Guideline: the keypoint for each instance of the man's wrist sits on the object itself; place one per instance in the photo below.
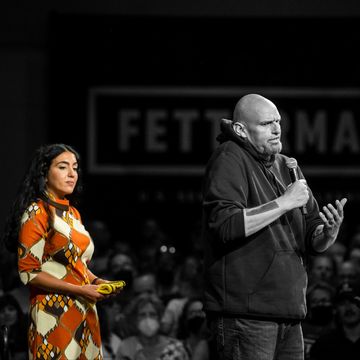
(322, 240)
(318, 237)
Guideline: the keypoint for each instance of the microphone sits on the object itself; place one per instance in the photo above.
(291, 164)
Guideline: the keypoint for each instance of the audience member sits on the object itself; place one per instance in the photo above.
(348, 273)
(122, 266)
(110, 340)
(121, 326)
(147, 343)
(170, 318)
(320, 315)
(166, 269)
(189, 285)
(322, 268)
(145, 283)
(190, 267)
(193, 331)
(344, 341)
(13, 318)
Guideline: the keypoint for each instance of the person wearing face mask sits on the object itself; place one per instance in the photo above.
(320, 316)
(193, 331)
(147, 343)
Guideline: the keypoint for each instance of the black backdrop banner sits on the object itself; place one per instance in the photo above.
(141, 99)
(172, 130)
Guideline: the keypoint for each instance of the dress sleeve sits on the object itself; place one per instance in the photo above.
(32, 236)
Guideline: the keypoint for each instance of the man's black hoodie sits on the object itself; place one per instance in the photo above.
(261, 275)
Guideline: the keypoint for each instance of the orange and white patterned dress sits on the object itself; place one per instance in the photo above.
(61, 326)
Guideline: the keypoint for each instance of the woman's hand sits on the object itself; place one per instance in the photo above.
(90, 293)
(111, 291)
(111, 288)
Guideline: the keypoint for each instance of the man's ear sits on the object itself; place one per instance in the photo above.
(239, 129)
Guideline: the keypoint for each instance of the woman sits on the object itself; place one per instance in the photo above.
(144, 314)
(193, 330)
(53, 251)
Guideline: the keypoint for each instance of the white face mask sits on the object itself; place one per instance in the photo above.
(148, 326)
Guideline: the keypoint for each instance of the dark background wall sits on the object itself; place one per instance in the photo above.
(67, 66)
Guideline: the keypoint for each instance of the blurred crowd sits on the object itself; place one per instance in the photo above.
(163, 297)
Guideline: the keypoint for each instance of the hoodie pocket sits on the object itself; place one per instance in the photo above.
(281, 290)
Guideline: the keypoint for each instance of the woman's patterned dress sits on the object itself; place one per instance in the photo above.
(61, 326)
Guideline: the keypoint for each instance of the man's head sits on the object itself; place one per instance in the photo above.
(323, 268)
(320, 303)
(121, 266)
(145, 283)
(258, 120)
(348, 273)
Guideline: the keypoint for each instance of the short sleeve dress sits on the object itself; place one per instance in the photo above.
(61, 326)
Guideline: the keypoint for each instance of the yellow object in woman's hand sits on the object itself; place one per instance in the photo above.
(111, 287)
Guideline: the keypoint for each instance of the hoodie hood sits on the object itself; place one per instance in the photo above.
(228, 134)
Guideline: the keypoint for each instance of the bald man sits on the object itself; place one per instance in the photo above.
(257, 238)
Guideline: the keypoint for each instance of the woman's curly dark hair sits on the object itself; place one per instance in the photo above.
(33, 186)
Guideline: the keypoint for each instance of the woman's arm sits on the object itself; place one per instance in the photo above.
(50, 283)
(32, 241)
